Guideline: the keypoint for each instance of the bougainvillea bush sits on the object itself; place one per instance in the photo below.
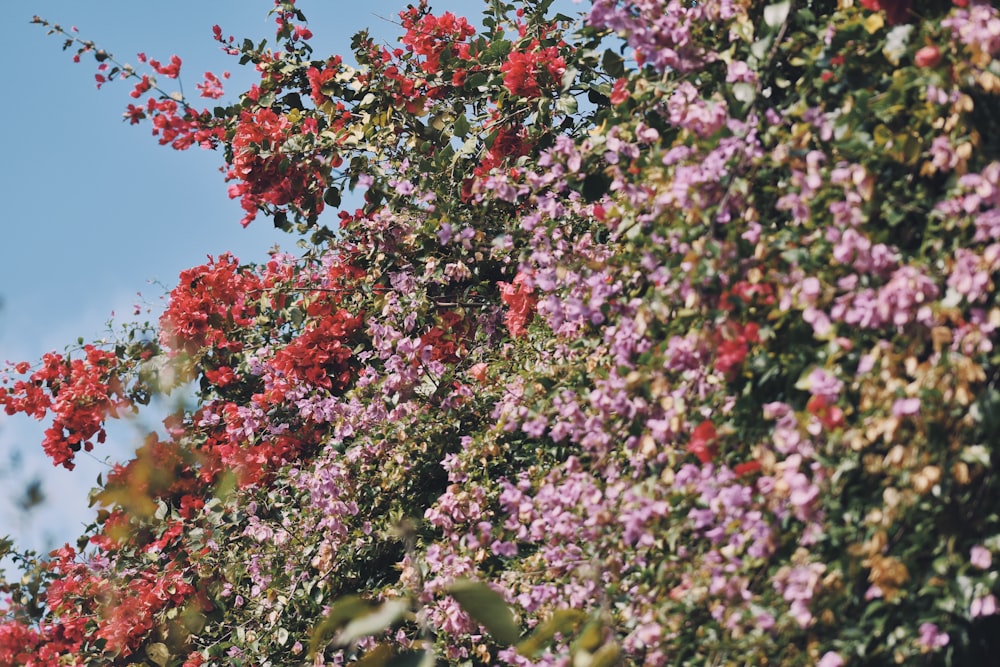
(659, 335)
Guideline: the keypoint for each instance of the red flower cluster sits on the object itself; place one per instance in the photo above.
(208, 304)
(270, 176)
(171, 70)
(18, 642)
(521, 303)
(320, 77)
(81, 393)
(319, 356)
(212, 86)
(830, 416)
(143, 87)
(131, 612)
(447, 340)
(429, 36)
(732, 347)
(183, 131)
(87, 607)
(761, 294)
(524, 70)
(233, 446)
(180, 130)
(510, 143)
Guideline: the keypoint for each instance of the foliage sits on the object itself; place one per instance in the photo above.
(666, 336)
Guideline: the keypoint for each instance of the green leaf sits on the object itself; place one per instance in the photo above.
(569, 77)
(595, 186)
(477, 80)
(377, 657)
(341, 611)
(461, 126)
(590, 638)
(412, 659)
(486, 606)
(775, 15)
(606, 656)
(281, 221)
(614, 64)
(760, 48)
(497, 51)
(744, 92)
(567, 104)
(332, 197)
(382, 618)
(562, 621)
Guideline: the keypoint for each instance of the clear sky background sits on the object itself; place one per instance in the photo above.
(95, 212)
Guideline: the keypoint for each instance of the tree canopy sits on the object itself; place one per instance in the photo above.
(659, 335)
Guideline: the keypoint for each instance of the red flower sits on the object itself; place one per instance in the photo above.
(212, 86)
(702, 443)
(270, 177)
(929, 56)
(320, 356)
(746, 468)
(81, 394)
(830, 416)
(429, 36)
(142, 87)
(194, 660)
(320, 78)
(896, 11)
(446, 342)
(221, 376)
(732, 347)
(619, 91)
(208, 305)
(171, 70)
(521, 304)
(523, 69)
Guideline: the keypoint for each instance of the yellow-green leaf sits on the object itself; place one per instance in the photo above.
(488, 609)
(562, 621)
(373, 622)
(158, 653)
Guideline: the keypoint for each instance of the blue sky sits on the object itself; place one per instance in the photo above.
(96, 212)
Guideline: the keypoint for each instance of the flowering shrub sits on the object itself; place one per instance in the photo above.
(661, 336)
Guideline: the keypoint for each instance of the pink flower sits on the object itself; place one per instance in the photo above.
(906, 406)
(981, 557)
(830, 659)
(983, 606)
(931, 636)
(479, 371)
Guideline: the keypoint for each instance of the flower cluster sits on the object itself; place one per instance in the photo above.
(81, 394)
(679, 352)
(272, 169)
(527, 72)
